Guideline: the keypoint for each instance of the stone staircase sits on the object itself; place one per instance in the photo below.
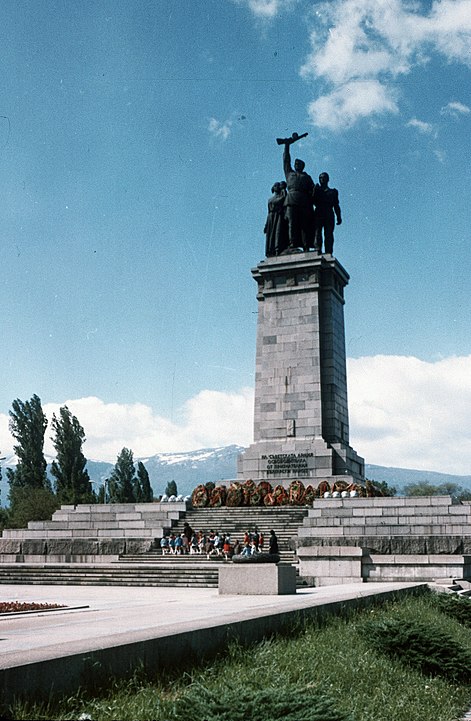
(116, 574)
(285, 521)
(70, 548)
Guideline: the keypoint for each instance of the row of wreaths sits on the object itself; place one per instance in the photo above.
(250, 493)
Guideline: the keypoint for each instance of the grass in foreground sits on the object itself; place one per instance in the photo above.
(338, 670)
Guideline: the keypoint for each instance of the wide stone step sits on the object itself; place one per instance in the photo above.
(157, 576)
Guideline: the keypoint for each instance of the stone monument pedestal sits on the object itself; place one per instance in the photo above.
(257, 579)
(301, 429)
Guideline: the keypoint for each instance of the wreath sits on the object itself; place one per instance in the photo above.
(270, 499)
(297, 493)
(309, 495)
(256, 498)
(248, 487)
(217, 497)
(322, 488)
(340, 486)
(200, 496)
(235, 495)
(264, 488)
(281, 496)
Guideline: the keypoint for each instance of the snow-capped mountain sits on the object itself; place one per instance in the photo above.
(220, 464)
(186, 469)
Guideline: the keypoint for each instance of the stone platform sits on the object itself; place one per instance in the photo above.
(89, 533)
(385, 539)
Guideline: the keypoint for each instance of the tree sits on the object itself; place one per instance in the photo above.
(30, 504)
(425, 488)
(31, 497)
(121, 483)
(72, 479)
(143, 490)
(171, 489)
(28, 425)
(385, 488)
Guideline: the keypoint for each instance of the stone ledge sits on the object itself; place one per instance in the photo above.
(264, 579)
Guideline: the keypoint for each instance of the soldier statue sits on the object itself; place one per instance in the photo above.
(326, 201)
(298, 203)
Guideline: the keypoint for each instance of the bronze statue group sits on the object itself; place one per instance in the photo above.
(301, 214)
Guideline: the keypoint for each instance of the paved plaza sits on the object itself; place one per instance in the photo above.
(118, 626)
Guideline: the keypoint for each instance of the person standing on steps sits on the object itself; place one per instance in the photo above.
(273, 543)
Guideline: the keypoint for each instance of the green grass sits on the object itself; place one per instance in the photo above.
(330, 671)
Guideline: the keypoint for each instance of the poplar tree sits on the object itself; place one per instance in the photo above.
(28, 425)
(69, 469)
(143, 492)
(122, 479)
(31, 497)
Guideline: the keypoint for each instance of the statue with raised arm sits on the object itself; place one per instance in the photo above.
(326, 201)
(298, 203)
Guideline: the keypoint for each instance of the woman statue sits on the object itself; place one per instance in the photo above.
(276, 227)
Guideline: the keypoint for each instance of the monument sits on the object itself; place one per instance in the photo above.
(301, 429)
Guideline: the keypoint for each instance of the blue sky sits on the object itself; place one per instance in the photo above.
(137, 152)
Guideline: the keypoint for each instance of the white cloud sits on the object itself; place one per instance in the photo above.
(421, 126)
(354, 100)
(375, 42)
(209, 419)
(409, 413)
(267, 9)
(455, 109)
(404, 412)
(218, 129)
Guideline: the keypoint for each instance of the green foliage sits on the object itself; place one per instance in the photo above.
(28, 425)
(121, 483)
(101, 494)
(429, 650)
(4, 515)
(329, 655)
(30, 504)
(72, 479)
(385, 488)
(457, 607)
(171, 489)
(143, 492)
(232, 703)
(425, 488)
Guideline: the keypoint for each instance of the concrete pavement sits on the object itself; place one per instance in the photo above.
(58, 651)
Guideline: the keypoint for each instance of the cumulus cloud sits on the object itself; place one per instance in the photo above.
(354, 100)
(267, 9)
(209, 419)
(404, 412)
(374, 42)
(410, 413)
(218, 129)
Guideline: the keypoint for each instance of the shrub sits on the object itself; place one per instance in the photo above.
(457, 607)
(425, 648)
(287, 703)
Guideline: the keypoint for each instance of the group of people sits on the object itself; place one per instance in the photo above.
(213, 543)
(301, 214)
(254, 543)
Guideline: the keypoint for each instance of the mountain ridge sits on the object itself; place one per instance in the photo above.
(189, 468)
